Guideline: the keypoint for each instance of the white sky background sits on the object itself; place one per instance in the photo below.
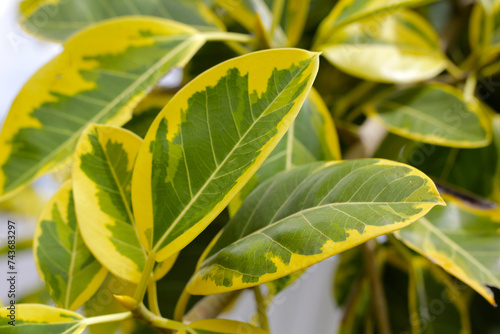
(306, 307)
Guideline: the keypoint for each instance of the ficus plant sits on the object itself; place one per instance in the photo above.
(300, 129)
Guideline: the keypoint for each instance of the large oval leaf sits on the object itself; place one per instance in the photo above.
(210, 139)
(98, 78)
(463, 241)
(65, 264)
(400, 48)
(57, 20)
(102, 176)
(312, 137)
(308, 214)
(435, 114)
(36, 318)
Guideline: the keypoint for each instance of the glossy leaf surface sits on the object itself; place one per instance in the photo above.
(58, 20)
(210, 139)
(98, 78)
(102, 177)
(36, 318)
(305, 215)
(435, 114)
(312, 137)
(64, 262)
(463, 241)
(402, 49)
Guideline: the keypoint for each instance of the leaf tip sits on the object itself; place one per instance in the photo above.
(127, 302)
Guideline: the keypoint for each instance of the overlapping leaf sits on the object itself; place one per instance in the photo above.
(305, 215)
(210, 139)
(102, 176)
(71, 273)
(435, 114)
(98, 78)
(463, 241)
(221, 326)
(36, 318)
(312, 137)
(402, 48)
(57, 20)
(435, 302)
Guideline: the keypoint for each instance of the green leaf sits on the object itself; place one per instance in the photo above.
(400, 48)
(57, 20)
(434, 114)
(294, 19)
(435, 302)
(348, 11)
(478, 30)
(65, 264)
(210, 139)
(36, 318)
(99, 77)
(312, 137)
(463, 241)
(221, 326)
(332, 207)
(102, 175)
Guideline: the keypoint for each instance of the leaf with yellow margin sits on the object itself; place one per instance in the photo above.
(36, 318)
(210, 139)
(99, 77)
(305, 215)
(102, 175)
(436, 114)
(59, 19)
(463, 241)
(312, 137)
(221, 326)
(65, 264)
(400, 48)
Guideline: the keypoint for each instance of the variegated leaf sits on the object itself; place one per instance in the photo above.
(36, 318)
(102, 175)
(70, 271)
(403, 48)
(463, 241)
(57, 20)
(210, 139)
(303, 216)
(98, 78)
(435, 114)
(221, 326)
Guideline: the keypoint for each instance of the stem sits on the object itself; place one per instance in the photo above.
(210, 307)
(261, 308)
(226, 36)
(470, 87)
(141, 313)
(454, 70)
(146, 276)
(153, 298)
(180, 308)
(277, 12)
(107, 318)
(377, 289)
(490, 70)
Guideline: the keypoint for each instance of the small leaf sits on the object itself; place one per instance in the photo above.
(400, 48)
(36, 318)
(221, 326)
(210, 139)
(65, 264)
(434, 114)
(62, 19)
(463, 241)
(102, 175)
(99, 77)
(312, 137)
(305, 215)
